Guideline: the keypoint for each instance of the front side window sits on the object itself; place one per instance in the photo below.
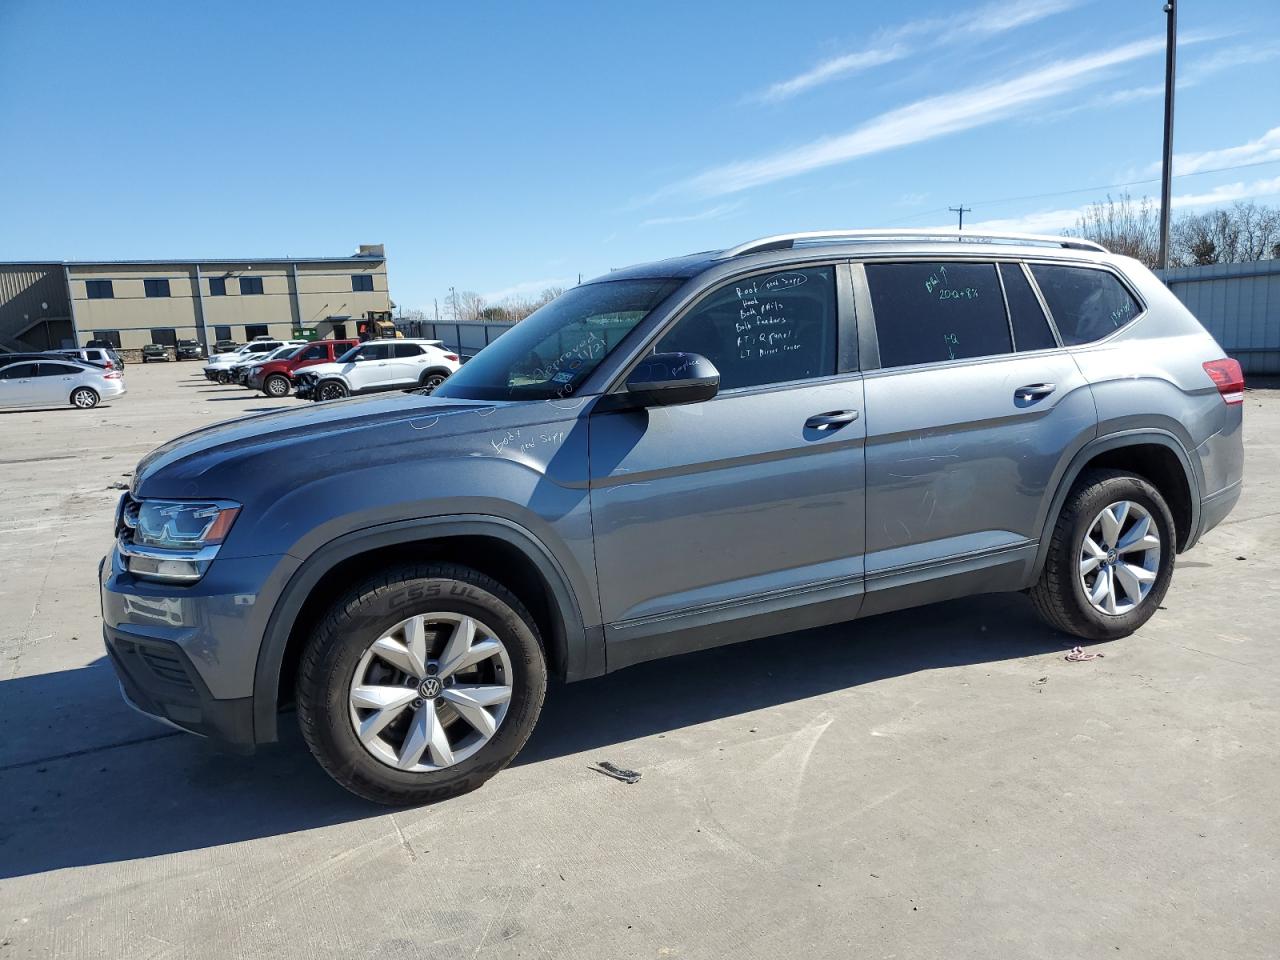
(315, 353)
(361, 282)
(99, 289)
(249, 285)
(1086, 303)
(769, 328)
(550, 353)
(17, 371)
(371, 351)
(156, 288)
(934, 312)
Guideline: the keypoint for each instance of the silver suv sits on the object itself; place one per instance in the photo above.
(792, 432)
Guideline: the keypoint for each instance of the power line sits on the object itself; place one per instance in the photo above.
(961, 210)
(1105, 186)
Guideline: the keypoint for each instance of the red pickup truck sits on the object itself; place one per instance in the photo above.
(275, 377)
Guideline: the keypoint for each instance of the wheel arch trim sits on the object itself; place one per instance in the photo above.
(1104, 444)
(572, 644)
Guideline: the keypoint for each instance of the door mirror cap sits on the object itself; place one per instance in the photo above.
(665, 379)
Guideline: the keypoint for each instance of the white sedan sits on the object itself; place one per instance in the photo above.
(51, 383)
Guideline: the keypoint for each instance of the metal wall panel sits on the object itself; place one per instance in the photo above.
(30, 293)
(1239, 303)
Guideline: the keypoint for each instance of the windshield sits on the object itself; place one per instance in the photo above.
(550, 353)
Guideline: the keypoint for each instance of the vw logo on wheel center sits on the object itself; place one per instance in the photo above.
(429, 688)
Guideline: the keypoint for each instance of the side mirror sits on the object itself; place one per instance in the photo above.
(665, 379)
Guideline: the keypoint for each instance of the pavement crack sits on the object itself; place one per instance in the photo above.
(21, 764)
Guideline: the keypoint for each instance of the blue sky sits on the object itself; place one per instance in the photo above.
(506, 147)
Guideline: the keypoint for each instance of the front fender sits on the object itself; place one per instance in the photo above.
(580, 647)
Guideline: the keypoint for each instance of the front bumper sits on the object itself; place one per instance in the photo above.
(253, 381)
(188, 654)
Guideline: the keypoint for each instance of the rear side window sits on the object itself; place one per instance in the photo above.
(931, 312)
(407, 350)
(1086, 304)
(769, 328)
(1030, 328)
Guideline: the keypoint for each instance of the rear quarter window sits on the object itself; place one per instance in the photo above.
(1087, 304)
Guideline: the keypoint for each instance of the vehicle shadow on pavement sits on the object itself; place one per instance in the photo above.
(143, 791)
(667, 694)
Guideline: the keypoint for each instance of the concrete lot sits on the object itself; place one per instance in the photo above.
(938, 783)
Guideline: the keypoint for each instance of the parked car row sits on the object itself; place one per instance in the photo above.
(331, 369)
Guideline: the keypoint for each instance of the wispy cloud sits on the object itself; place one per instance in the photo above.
(717, 211)
(1264, 148)
(902, 41)
(1053, 221)
(917, 122)
(525, 287)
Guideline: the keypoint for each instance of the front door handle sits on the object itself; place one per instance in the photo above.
(836, 418)
(1034, 391)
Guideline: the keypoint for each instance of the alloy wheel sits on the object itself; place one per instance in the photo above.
(430, 692)
(84, 398)
(332, 391)
(277, 386)
(1120, 558)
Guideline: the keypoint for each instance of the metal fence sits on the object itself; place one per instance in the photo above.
(1239, 303)
(466, 338)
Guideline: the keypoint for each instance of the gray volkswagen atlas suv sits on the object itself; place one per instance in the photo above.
(796, 431)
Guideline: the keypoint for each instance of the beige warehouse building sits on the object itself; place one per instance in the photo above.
(131, 303)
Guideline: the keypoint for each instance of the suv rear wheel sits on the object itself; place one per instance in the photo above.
(1110, 559)
(421, 684)
(276, 385)
(431, 379)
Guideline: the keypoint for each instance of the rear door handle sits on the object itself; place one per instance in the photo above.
(836, 418)
(1034, 391)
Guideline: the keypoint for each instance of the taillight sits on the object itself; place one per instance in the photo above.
(113, 375)
(1228, 378)
(451, 356)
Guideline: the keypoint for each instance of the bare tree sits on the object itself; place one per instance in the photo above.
(1123, 226)
(1242, 233)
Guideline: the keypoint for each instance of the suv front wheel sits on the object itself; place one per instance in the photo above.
(421, 684)
(1110, 558)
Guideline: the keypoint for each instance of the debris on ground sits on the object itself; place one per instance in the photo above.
(1080, 655)
(618, 773)
(118, 486)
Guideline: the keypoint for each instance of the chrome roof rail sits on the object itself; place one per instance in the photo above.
(788, 241)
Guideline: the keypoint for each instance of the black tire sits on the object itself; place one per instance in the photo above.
(330, 390)
(432, 379)
(224, 377)
(1059, 594)
(276, 385)
(84, 398)
(352, 625)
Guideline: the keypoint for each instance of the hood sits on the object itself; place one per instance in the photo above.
(222, 459)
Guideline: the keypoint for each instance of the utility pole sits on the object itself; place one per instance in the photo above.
(1166, 174)
(436, 303)
(962, 210)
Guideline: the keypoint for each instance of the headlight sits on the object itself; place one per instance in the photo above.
(173, 540)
